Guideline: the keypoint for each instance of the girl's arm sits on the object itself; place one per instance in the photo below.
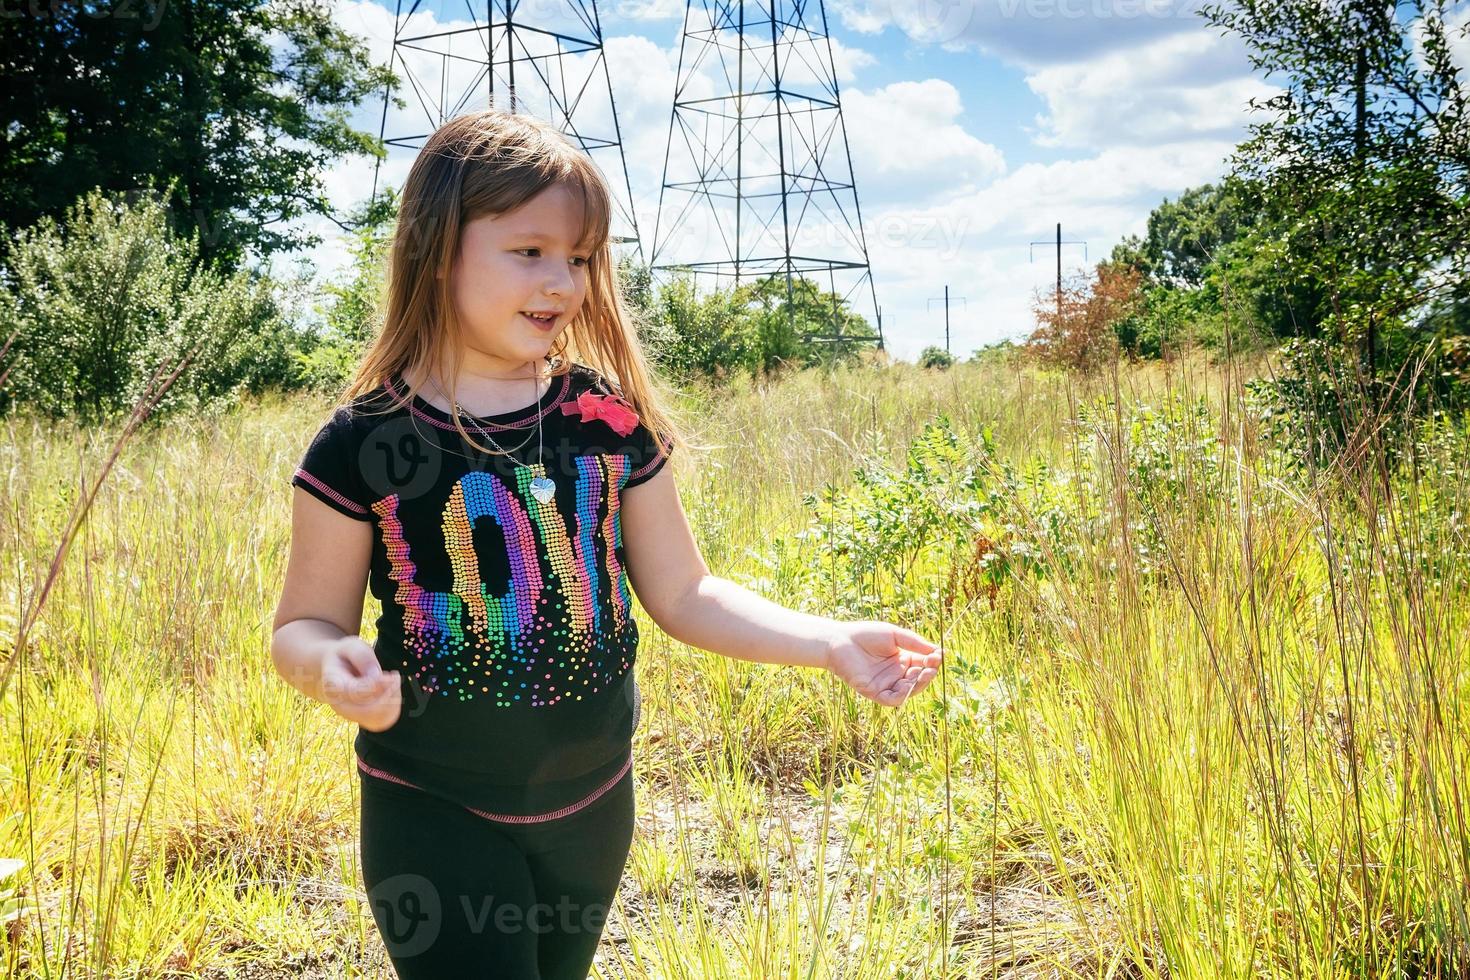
(882, 662)
(314, 641)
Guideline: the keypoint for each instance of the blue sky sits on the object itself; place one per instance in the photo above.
(974, 126)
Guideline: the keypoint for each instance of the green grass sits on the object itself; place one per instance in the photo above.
(1203, 715)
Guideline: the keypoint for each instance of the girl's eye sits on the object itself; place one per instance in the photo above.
(579, 258)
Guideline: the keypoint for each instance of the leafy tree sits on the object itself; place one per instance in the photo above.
(636, 279)
(1361, 171)
(1190, 249)
(1166, 319)
(239, 104)
(352, 312)
(1449, 312)
(999, 351)
(1185, 235)
(709, 334)
(754, 327)
(102, 302)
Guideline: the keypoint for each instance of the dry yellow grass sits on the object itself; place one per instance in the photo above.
(1218, 729)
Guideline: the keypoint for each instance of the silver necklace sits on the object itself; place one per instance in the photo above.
(542, 487)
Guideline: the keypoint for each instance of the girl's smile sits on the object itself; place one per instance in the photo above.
(547, 322)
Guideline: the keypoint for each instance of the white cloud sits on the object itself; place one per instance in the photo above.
(1026, 32)
(1097, 196)
(980, 243)
(910, 144)
(848, 60)
(1185, 87)
(1457, 36)
(1151, 121)
(651, 9)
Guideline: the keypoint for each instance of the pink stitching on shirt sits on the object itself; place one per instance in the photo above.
(349, 504)
(662, 453)
(514, 818)
(480, 426)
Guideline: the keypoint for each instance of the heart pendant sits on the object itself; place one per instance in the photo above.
(543, 489)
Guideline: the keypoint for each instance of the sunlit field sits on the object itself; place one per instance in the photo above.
(1205, 710)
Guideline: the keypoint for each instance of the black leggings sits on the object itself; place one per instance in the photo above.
(456, 895)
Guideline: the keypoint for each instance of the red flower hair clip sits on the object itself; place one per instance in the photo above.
(610, 408)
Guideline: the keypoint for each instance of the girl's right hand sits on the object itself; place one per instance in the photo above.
(357, 688)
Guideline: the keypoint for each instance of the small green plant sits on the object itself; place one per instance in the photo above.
(948, 524)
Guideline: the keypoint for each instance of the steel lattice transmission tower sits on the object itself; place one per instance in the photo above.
(757, 171)
(544, 59)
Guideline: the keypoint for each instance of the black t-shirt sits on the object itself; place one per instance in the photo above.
(510, 618)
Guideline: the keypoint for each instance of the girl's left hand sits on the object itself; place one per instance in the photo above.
(882, 662)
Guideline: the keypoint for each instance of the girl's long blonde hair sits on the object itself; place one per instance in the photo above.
(490, 162)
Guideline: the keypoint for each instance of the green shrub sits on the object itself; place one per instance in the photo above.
(755, 327)
(709, 334)
(103, 301)
(1320, 403)
(947, 525)
(935, 357)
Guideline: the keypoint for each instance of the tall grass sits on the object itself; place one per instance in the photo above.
(1203, 712)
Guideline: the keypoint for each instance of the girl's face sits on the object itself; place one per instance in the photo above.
(524, 261)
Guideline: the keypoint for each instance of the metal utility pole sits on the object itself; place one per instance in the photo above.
(946, 314)
(1059, 244)
(757, 180)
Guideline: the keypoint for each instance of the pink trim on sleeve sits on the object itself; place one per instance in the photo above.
(651, 464)
(351, 505)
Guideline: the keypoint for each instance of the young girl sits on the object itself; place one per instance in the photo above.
(496, 474)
